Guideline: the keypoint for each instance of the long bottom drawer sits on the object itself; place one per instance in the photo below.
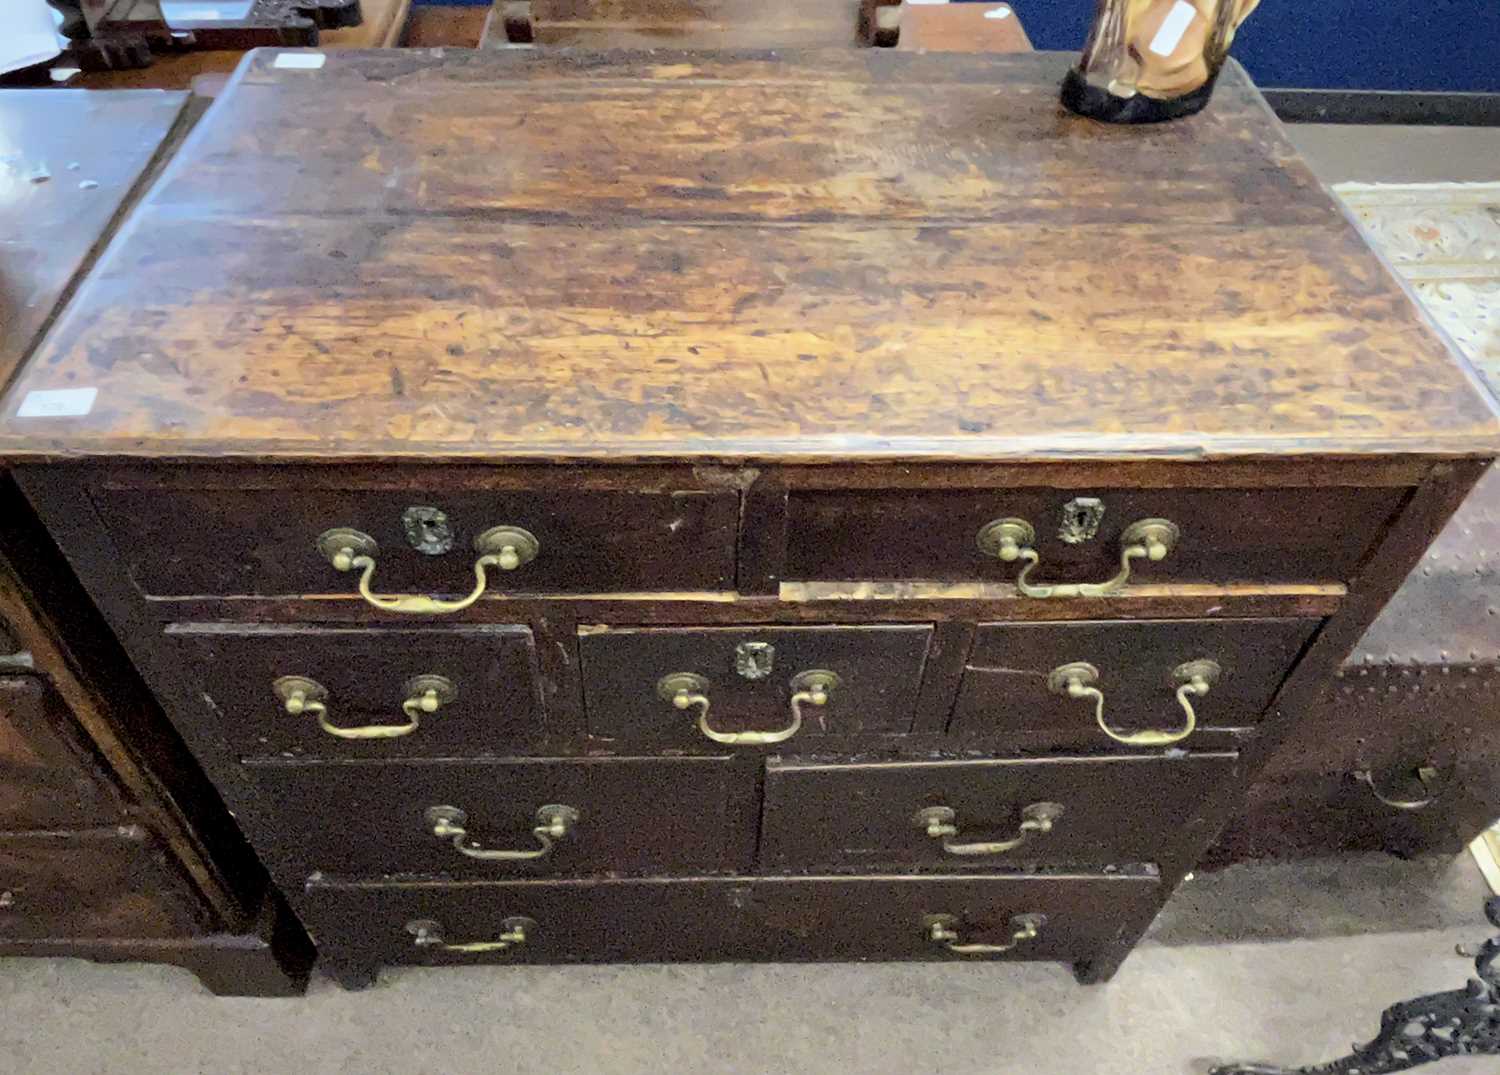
(710, 919)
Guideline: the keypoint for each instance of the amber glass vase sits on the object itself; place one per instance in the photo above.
(1151, 60)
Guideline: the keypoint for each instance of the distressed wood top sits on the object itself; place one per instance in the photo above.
(68, 161)
(821, 256)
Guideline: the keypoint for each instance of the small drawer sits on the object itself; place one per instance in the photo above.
(47, 778)
(1079, 536)
(1125, 684)
(100, 883)
(237, 540)
(386, 692)
(990, 814)
(753, 686)
(779, 919)
(513, 818)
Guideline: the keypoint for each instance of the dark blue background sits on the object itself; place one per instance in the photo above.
(1330, 44)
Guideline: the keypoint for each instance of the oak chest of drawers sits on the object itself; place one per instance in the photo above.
(735, 506)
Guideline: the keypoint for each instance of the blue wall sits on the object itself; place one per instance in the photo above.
(1326, 44)
(1334, 44)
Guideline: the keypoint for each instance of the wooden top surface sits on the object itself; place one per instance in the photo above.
(823, 256)
(68, 160)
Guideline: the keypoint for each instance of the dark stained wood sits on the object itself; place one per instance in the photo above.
(686, 24)
(1242, 535)
(860, 817)
(113, 882)
(784, 919)
(72, 160)
(365, 671)
(637, 815)
(244, 540)
(783, 260)
(879, 668)
(47, 778)
(1005, 685)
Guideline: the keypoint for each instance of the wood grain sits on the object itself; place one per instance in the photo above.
(819, 257)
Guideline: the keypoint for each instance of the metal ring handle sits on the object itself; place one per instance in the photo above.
(1427, 775)
(1009, 540)
(553, 822)
(943, 929)
(425, 694)
(941, 823)
(505, 547)
(428, 934)
(688, 690)
(1078, 679)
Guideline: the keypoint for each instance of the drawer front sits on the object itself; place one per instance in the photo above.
(1017, 677)
(751, 680)
(781, 919)
(630, 815)
(237, 541)
(419, 692)
(105, 883)
(997, 814)
(46, 778)
(1226, 535)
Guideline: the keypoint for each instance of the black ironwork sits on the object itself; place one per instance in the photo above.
(1460, 1022)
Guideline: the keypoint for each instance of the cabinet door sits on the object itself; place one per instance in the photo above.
(47, 779)
(751, 679)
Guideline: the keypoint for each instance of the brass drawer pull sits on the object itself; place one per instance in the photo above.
(428, 934)
(687, 690)
(941, 823)
(1010, 540)
(424, 694)
(553, 822)
(1427, 776)
(1193, 679)
(943, 929)
(505, 547)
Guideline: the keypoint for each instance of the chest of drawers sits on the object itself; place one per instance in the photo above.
(736, 506)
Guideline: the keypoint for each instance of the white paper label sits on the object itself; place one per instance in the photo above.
(1001, 12)
(57, 402)
(301, 61)
(1172, 28)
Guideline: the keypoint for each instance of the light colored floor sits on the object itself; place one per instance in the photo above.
(1392, 154)
(1285, 963)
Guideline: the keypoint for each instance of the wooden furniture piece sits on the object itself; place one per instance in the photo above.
(711, 506)
(113, 844)
(693, 24)
(382, 25)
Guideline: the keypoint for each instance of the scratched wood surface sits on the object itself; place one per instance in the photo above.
(68, 160)
(821, 256)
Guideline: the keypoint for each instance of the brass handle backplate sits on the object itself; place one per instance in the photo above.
(553, 822)
(941, 823)
(688, 690)
(505, 547)
(1009, 540)
(943, 929)
(1191, 679)
(426, 933)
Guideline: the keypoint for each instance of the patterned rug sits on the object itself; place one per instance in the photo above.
(1444, 238)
